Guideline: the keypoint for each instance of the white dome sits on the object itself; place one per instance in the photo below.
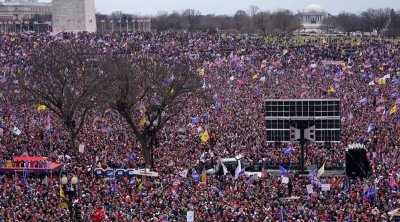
(313, 8)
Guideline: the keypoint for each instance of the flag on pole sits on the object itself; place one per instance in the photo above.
(251, 179)
(283, 171)
(239, 172)
(312, 174)
(288, 151)
(321, 170)
(62, 195)
(183, 173)
(205, 137)
(393, 110)
(224, 169)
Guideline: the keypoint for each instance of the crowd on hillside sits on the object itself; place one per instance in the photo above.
(240, 71)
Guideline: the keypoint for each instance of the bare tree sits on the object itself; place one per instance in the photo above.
(328, 24)
(264, 22)
(377, 19)
(193, 18)
(285, 21)
(149, 92)
(64, 79)
(240, 18)
(347, 22)
(394, 27)
(253, 10)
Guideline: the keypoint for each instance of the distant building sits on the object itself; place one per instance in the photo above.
(74, 15)
(311, 18)
(23, 9)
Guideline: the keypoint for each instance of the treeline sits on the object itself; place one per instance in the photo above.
(382, 21)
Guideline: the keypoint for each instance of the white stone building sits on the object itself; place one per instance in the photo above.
(23, 9)
(311, 18)
(74, 15)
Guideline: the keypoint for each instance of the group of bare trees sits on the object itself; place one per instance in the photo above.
(252, 21)
(74, 80)
(372, 20)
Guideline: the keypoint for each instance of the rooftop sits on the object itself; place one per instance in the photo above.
(24, 3)
(313, 8)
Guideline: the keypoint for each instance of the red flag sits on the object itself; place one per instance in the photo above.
(99, 215)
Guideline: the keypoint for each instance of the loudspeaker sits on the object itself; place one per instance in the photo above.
(357, 164)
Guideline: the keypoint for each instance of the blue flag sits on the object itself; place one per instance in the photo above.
(251, 179)
(371, 193)
(112, 187)
(350, 219)
(205, 117)
(132, 157)
(288, 151)
(283, 171)
(195, 120)
(111, 174)
(370, 128)
(312, 174)
(364, 101)
(196, 176)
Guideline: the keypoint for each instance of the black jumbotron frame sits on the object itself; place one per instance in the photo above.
(294, 120)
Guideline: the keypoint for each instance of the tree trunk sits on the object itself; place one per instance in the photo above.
(72, 138)
(146, 151)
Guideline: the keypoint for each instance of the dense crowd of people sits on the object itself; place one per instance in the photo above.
(240, 71)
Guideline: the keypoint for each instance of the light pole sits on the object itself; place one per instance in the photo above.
(70, 192)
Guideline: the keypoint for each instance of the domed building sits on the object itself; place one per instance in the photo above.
(311, 18)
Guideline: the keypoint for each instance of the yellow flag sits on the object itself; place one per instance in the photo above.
(140, 186)
(393, 110)
(205, 137)
(255, 77)
(63, 205)
(382, 81)
(143, 120)
(362, 70)
(331, 89)
(41, 108)
(201, 72)
(381, 68)
(62, 195)
(321, 170)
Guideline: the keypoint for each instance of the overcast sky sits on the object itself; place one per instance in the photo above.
(229, 7)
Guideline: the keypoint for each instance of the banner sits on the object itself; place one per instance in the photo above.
(190, 216)
(325, 187)
(310, 189)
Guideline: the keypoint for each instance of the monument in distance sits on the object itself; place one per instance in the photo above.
(74, 15)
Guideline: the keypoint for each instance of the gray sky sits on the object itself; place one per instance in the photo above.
(229, 7)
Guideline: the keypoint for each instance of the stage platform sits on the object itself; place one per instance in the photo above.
(34, 164)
